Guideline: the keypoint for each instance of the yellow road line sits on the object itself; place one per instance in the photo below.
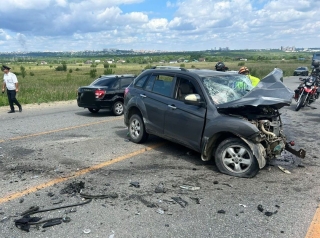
(76, 174)
(61, 129)
(314, 228)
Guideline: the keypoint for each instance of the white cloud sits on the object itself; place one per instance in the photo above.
(195, 23)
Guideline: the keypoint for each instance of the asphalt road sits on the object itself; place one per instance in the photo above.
(50, 150)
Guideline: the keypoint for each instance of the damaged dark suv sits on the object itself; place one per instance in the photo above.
(218, 114)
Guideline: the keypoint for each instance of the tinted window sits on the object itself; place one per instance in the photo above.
(112, 83)
(140, 81)
(163, 85)
(125, 82)
(150, 82)
(184, 88)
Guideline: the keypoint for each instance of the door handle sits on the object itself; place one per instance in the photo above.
(172, 106)
(143, 96)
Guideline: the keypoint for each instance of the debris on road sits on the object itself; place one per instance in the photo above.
(180, 201)
(197, 200)
(284, 170)
(160, 188)
(72, 188)
(160, 211)
(242, 205)
(86, 231)
(188, 187)
(267, 213)
(135, 184)
(222, 211)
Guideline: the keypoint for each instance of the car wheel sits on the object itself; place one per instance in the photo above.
(93, 110)
(137, 130)
(235, 158)
(117, 108)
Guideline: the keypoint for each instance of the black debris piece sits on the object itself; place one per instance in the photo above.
(260, 208)
(268, 214)
(72, 188)
(197, 200)
(215, 182)
(180, 201)
(90, 196)
(229, 185)
(21, 200)
(50, 194)
(135, 184)
(277, 206)
(52, 222)
(222, 211)
(25, 222)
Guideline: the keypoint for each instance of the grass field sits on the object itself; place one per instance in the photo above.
(48, 85)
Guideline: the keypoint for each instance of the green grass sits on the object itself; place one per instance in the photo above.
(48, 85)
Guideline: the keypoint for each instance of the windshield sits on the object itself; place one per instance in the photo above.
(301, 68)
(226, 88)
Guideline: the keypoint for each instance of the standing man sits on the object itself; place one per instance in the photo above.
(10, 82)
(254, 80)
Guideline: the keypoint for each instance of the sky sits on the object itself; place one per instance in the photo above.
(175, 25)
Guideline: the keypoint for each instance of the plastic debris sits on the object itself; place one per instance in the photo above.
(160, 211)
(260, 208)
(197, 200)
(222, 211)
(180, 201)
(188, 187)
(284, 170)
(135, 184)
(242, 205)
(86, 231)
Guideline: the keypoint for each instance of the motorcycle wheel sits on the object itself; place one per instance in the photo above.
(301, 101)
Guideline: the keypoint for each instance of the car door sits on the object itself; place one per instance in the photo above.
(183, 122)
(156, 96)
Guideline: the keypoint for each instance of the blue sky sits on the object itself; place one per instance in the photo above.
(175, 25)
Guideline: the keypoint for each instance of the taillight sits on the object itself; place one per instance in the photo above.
(126, 91)
(99, 93)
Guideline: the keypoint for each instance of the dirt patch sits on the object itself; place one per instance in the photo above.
(41, 105)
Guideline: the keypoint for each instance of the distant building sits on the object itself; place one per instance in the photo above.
(288, 48)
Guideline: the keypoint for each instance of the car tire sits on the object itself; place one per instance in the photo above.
(137, 132)
(93, 110)
(234, 157)
(117, 108)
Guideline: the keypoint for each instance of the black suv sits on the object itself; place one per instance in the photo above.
(106, 92)
(218, 114)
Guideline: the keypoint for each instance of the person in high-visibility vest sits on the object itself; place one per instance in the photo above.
(254, 80)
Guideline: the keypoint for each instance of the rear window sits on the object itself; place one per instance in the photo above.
(106, 82)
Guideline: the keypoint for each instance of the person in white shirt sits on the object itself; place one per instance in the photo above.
(10, 82)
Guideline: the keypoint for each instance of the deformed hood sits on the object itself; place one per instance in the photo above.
(269, 92)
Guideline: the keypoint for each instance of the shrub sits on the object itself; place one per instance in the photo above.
(31, 74)
(108, 71)
(70, 71)
(182, 65)
(93, 73)
(241, 63)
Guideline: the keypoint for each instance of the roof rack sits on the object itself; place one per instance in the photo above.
(169, 67)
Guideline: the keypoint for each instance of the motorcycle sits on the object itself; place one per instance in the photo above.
(308, 91)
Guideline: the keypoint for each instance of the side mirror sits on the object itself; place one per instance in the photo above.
(193, 99)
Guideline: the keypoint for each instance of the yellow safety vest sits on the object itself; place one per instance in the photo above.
(254, 80)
